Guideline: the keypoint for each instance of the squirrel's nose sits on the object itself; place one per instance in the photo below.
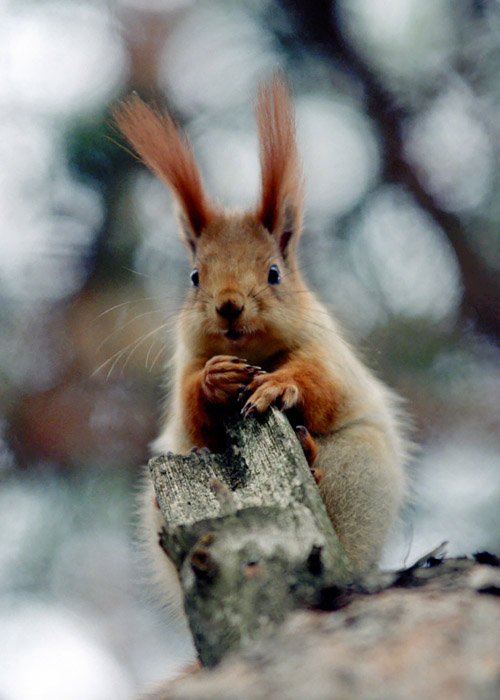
(229, 310)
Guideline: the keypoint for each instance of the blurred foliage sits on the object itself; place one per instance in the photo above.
(98, 156)
(92, 151)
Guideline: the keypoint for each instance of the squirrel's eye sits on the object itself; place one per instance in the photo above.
(195, 278)
(274, 276)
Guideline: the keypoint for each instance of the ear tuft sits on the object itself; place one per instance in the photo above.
(189, 235)
(285, 241)
(281, 203)
(167, 152)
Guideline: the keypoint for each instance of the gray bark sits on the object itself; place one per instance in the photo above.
(426, 633)
(248, 533)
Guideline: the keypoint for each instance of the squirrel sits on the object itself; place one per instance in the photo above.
(251, 331)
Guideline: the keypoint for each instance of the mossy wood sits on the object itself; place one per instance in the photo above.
(248, 533)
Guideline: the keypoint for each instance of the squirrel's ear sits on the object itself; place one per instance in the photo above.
(281, 203)
(189, 235)
(167, 152)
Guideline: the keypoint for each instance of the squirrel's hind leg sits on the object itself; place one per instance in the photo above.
(362, 486)
(158, 569)
(310, 448)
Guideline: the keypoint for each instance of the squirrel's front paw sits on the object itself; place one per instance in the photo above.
(224, 377)
(267, 389)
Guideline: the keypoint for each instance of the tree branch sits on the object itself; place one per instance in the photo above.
(248, 533)
(430, 631)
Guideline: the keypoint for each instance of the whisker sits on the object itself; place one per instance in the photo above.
(284, 275)
(204, 292)
(261, 290)
(125, 303)
(146, 361)
(292, 292)
(139, 343)
(125, 325)
(136, 272)
(157, 299)
(294, 316)
(162, 349)
(115, 358)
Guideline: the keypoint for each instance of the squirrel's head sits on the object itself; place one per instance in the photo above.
(244, 268)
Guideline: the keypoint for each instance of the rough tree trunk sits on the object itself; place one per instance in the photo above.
(248, 532)
(252, 542)
(428, 633)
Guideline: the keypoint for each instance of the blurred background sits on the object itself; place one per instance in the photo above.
(398, 113)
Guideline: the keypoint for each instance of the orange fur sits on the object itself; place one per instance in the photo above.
(281, 202)
(307, 392)
(197, 417)
(209, 392)
(305, 386)
(302, 388)
(159, 143)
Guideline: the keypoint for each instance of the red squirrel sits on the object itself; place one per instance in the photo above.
(251, 334)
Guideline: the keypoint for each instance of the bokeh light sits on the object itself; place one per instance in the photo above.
(60, 57)
(400, 253)
(234, 50)
(410, 40)
(452, 151)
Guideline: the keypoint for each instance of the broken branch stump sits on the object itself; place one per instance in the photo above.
(248, 533)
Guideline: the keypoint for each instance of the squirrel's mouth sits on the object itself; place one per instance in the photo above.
(237, 334)
(233, 334)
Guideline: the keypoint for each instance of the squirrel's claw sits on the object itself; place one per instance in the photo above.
(270, 388)
(309, 445)
(199, 450)
(248, 409)
(225, 377)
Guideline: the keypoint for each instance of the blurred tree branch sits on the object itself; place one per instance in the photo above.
(318, 24)
(429, 631)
